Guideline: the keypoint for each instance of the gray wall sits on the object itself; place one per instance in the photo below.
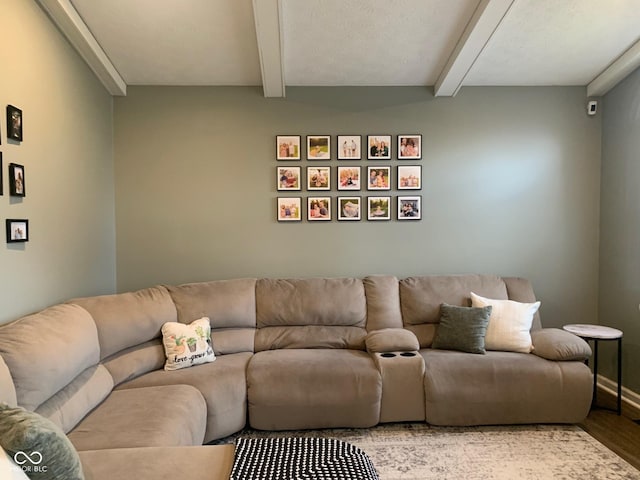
(67, 153)
(511, 186)
(620, 226)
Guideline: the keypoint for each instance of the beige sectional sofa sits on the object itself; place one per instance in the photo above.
(290, 354)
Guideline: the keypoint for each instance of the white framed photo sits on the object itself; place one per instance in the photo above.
(318, 178)
(378, 178)
(288, 147)
(379, 147)
(409, 177)
(318, 208)
(318, 147)
(349, 147)
(289, 209)
(349, 178)
(288, 178)
(409, 208)
(409, 147)
(378, 208)
(349, 208)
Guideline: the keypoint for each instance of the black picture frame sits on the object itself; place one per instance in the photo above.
(14, 123)
(17, 180)
(17, 230)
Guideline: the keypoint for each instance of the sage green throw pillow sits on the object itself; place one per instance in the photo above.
(462, 328)
(38, 446)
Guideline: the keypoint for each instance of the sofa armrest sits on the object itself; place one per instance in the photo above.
(391, 340)
(556, 344)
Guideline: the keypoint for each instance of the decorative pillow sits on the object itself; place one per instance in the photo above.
(38, 445)
(509, 325)
(187, 345)
(462, 328)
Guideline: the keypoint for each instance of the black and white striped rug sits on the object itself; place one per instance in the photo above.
(300, 458)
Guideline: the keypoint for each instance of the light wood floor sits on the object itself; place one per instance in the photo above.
(619, 433)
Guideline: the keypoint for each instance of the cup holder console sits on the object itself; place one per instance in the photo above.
(408, 354)
(388, 355)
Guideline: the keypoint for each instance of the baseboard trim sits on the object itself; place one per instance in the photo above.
(629, 397)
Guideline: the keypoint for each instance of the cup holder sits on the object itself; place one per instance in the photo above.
(387, 355)
(408, 354)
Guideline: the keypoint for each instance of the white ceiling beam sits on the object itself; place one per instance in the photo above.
(268, 19)
(483, 24)
(616, 72)
(65, 16)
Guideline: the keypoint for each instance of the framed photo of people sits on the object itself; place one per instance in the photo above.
(318, 178)
(16, 180)
(17, 230)
(409, 177)
(349, 178)
(349, 208)
(288, 147)
(409, 147)
(318, 209)
(409, 208)
(349, 147)
(319, 147)
(378, 208)
(379, 147)
(288, 178)
(289, 209)
(378, 178)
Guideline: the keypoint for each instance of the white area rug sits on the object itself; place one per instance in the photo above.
(418, 451)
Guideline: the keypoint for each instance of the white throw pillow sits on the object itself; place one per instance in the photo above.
(509, 324)
(187, 345)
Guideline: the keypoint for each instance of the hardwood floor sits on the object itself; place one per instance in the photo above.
(619, 433)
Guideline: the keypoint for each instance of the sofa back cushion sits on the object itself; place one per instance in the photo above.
(310, 313)
(421, 297)
(128, 319)
(383, 302)
(47, 350)
(230, 306)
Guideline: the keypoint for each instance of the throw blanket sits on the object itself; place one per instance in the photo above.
(297, 458)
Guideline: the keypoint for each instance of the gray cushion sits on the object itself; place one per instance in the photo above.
(462, 328)
(41, 442)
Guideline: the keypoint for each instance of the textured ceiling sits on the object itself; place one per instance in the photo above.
(358, 42)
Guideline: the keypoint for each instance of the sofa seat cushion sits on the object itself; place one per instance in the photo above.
(159, 463)
(223, 385)
(171, 415)
(503, 388)
(313, 388)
